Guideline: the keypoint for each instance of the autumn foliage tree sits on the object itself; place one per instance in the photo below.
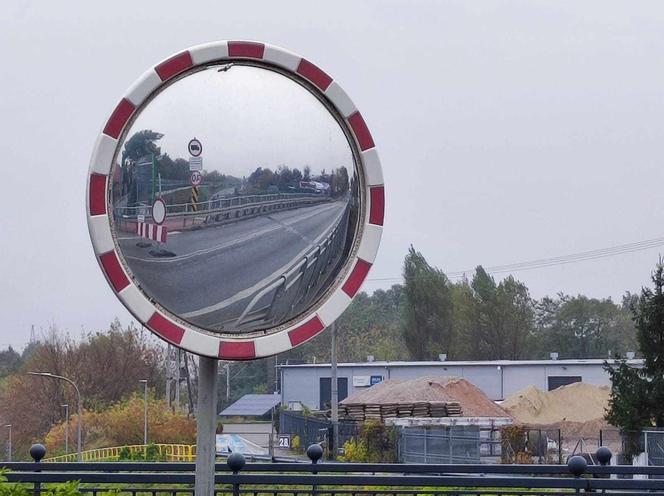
(106, 367)
(122, 424)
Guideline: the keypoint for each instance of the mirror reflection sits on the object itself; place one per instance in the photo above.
(235, 198)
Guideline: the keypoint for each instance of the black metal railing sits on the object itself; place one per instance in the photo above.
(341, 479)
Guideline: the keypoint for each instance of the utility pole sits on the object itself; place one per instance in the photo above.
(145, 411)
(228, 382)
(66, 407)
(190, 391)
(334, 392)
(169, 376)
(177, 379)
(9, 443)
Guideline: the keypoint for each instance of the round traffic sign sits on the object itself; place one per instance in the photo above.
(159, 211)
(195, 147)
(196, 178)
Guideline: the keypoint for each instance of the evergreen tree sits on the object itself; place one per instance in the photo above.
(637, 395)
(428, 309)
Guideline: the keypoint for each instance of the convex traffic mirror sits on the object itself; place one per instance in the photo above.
(235, 200)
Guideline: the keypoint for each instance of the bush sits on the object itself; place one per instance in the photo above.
(375, 444)
(16, 489)
(514, 444)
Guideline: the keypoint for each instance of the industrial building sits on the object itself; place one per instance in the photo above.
(309, 384)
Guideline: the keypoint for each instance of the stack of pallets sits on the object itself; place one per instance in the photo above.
(389, 410)
(438, 409)
(421, 409)
(453, 409)
(372, 412)
(405, 410)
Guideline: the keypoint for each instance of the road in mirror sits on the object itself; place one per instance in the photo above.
(261, 198)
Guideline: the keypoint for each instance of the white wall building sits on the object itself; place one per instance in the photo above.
(309, 384)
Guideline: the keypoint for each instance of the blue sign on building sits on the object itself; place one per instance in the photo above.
(375, 379)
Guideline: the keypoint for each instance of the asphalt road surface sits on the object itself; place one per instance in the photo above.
(217, 270)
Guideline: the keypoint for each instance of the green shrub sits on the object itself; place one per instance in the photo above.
(375, 444)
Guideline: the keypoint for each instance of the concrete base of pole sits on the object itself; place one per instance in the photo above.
(206, 426)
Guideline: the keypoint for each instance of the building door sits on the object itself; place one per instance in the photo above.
(555, 381)
(326, 391)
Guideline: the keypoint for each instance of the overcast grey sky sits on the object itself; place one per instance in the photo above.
(508, 131)
(246, 117)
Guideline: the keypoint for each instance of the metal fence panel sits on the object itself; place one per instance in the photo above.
(439, 444)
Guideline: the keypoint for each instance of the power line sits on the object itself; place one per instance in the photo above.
(539, 263)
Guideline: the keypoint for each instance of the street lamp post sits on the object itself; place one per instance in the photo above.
(9, 443)
(78, 405)
(145, 411)
(66, 407)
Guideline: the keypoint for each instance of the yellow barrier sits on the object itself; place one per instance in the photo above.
(171, 452)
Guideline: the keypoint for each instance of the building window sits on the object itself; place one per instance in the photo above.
(326, 391)
(555, 381)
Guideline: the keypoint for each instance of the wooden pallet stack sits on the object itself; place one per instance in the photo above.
(372, 412)
(454, 409)
(438, 409)
(421, 409)
(389, 410)
(417, 409)
(405, 410)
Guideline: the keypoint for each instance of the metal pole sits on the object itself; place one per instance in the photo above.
(206, 426)
(178, 371)
(169, 375)
(79, 421)
(9, 443)
(66, 407)
(334, 393)
(145, 411)
(228, 382)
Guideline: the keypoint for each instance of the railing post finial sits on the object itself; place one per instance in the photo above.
(37, 452)
(577, 465)
(235, 462)
(603, 455)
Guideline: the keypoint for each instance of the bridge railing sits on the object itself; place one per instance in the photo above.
(169, 452)
(293, 290)
(219, 211)
(346, 479)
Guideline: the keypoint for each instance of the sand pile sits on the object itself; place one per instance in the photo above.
(576, 402)
(449, 390)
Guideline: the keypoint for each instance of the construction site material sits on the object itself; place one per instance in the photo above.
(576, 410)
(578, 402)
(420, 398)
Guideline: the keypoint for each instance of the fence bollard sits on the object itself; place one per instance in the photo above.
(577, 466)
(603, 455)
(315, 453)
(37, 452)
(236, 462)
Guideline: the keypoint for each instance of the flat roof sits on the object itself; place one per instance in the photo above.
(252, 405)
(465, 363)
